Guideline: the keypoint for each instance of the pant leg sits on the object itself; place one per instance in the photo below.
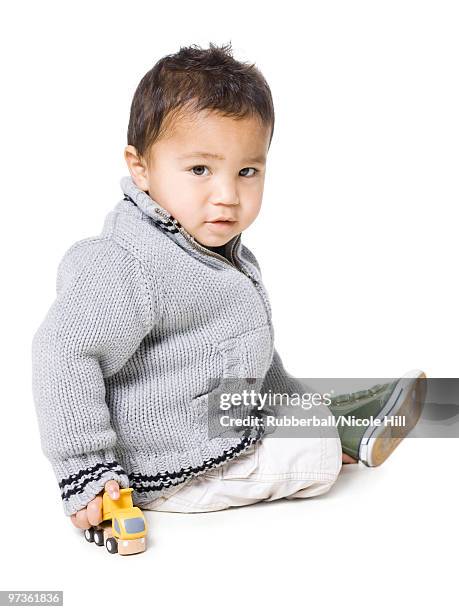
(274, 468)
(321, 487)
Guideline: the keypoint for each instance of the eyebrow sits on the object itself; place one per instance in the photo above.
(260, 159)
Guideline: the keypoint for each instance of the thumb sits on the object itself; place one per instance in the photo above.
(113, 489)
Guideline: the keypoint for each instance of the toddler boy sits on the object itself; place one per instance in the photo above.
(166, 300)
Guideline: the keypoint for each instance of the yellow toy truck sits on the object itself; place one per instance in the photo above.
(125, 528)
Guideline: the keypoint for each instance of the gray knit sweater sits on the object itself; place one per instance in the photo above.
(145, 318)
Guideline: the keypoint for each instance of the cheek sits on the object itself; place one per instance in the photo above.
(183, 212)
(253, 206)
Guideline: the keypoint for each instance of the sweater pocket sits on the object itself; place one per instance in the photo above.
(208, 426)
(199, 410)
(245, 360)
(207, 417)
(247, 355)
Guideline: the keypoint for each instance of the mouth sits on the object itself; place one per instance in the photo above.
(221, 223)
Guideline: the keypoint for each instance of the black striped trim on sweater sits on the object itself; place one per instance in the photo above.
(126, 197)
(77, 482)
(141, 482)
(171, 226)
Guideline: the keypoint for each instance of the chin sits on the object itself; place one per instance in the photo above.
(209, 243)
(211, 239)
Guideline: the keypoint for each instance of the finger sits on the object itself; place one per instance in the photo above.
(113, 489)
(74, 521)
(82, 520)
(94, 511)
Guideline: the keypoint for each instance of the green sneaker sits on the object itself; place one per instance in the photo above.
(376, 420)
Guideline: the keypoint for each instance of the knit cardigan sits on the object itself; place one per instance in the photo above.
(144, 321)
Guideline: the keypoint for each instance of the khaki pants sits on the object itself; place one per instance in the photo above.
(274, 468)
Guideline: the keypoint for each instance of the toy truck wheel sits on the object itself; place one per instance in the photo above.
(89, 534)
(112, 545)
(99, 537)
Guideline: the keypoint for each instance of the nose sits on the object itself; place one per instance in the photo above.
(225, 193)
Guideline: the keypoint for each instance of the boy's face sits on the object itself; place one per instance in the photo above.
(207, 167)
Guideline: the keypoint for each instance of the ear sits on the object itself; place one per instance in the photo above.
(137, 167)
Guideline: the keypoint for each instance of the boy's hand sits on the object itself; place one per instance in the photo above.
(92, 514)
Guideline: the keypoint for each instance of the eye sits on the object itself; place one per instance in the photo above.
(199, 171)
(254, 172)
(199, 168)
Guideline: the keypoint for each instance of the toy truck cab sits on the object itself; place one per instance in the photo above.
(123, 528)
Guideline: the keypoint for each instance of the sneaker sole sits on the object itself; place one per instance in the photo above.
(407, 400)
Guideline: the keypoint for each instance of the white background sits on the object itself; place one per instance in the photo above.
(357, 239)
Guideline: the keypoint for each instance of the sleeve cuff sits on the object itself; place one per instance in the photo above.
(82, 477)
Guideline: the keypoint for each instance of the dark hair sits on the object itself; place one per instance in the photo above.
(191, 80)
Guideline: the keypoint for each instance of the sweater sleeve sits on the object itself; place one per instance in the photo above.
(102, 311)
